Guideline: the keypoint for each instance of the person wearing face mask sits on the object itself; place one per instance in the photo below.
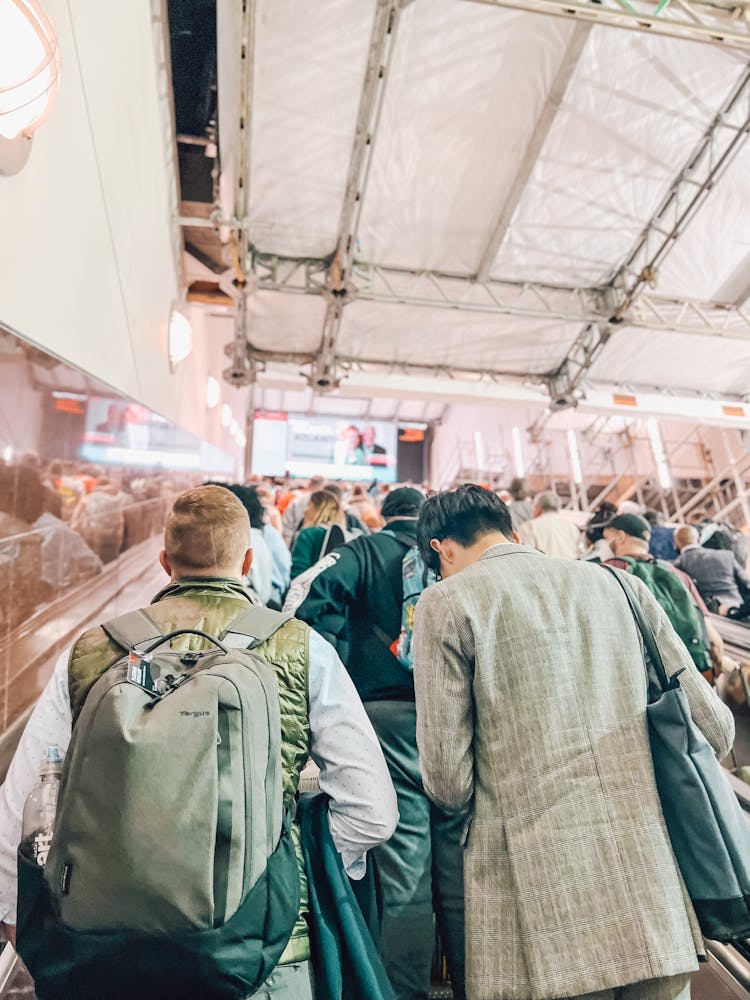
(597, 550)
(628, 537)
(530, 694)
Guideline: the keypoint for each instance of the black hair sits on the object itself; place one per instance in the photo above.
(719, 539)
(248, 497)
(334, 488)
(463, 514)
(595, 527)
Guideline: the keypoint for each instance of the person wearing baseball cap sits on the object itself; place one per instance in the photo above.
(357, 604)
(629, 526)
(628, 537)
(406, 501)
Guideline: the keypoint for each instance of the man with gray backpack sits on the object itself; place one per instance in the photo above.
(174, 867)
(363, 602)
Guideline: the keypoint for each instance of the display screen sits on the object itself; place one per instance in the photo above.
(286, 444)
(120, 432)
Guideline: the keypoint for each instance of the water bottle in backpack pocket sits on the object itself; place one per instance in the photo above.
(38, 825)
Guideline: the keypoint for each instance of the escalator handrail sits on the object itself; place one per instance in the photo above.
(731, 960)
(8, 966)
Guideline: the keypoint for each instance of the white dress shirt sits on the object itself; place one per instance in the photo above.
(281, 562)
(362, 810)
(261, 571)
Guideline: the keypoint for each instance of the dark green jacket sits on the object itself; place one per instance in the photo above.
(345, 960)
(364, 588)
(306, 549)
(210, 605)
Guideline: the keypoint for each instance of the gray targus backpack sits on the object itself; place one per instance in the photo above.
(172, 871)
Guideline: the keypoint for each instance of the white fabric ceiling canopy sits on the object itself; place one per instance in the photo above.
(451, 338)
(351, 407)
(309, 65)
(466, 88)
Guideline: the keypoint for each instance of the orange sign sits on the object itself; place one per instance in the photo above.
(69, 405)
(619, 399)
(271, 415)
(411, 435)
(733, 411)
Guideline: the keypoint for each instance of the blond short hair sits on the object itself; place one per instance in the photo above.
(207, 529)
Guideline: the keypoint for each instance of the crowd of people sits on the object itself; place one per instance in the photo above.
(61, 522)
(692, 569)
(481, 740)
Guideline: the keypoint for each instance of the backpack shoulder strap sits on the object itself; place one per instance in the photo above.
(132, 629)
(404, 539)
(255, 624)
(335, 537)
(324, 544)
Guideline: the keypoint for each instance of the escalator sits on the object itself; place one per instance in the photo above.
(735, 633)
(15, 982)
(28, 653)
(727, 971)
(722, 977)
(736, 636)
(130, 583)
(725, 975)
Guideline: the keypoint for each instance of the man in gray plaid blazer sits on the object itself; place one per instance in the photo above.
(531, 702)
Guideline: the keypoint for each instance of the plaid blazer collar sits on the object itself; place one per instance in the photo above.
(508, 549)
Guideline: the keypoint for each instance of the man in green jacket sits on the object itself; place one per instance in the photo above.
(207, 552)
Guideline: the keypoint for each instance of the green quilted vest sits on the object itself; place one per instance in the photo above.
(210, 605)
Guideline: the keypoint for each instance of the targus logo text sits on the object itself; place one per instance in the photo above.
(194, 715)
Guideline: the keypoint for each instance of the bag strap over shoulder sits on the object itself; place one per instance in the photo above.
(656, 673)
(334, 538)
(400, 537)
(251, 627)
(132, 629)
(324, 543)
(255, 624)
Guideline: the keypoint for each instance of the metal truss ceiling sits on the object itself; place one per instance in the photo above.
(381, 50)
(530, 300)
(712, 23)
(721, 143)
(627, 300)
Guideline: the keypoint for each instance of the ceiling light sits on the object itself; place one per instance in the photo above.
(479, 450)
(518, 453)
(29, 77)
(213, 392)
(657, 447)
(226, 415)
(575, 457)
(180, 336)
